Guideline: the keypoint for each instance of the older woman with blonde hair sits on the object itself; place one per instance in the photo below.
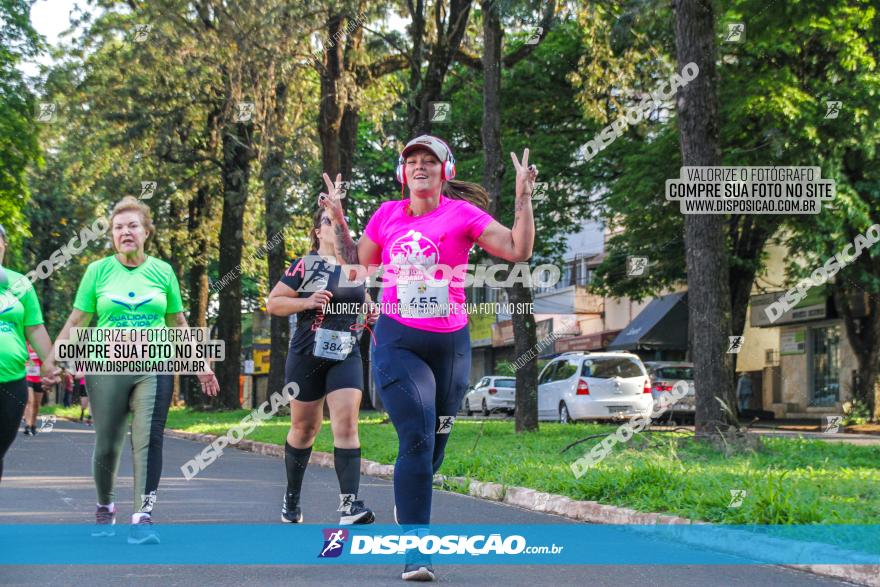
(130, 289)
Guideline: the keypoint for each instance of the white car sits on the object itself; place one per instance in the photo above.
(594, 386)
(490, 394)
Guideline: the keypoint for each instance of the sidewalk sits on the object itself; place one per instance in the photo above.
(846, 437)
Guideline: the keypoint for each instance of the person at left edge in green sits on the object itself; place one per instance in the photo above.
(130, 289)
(21, 322)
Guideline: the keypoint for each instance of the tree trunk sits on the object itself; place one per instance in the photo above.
(276, 221)
(750, 242)
(347, 140)
(705, 246)
(198, 283)
(525, 339)
(427, 88)
(237, 155)
(524, 332)
(332, 106)
(864, 339)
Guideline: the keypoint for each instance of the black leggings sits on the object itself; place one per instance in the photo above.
(422, 377)
(13, 399)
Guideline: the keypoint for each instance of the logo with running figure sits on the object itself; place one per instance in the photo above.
(414, 248)
(346, 500)
(148, 500)
(334, 541)
(444, 424)
(133, 302)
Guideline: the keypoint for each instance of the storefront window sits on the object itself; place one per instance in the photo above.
(825, 366)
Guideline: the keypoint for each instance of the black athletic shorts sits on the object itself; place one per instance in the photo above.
(37, 386)
(316, 377)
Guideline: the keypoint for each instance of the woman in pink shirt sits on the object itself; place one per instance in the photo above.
(35, 392)
(422, 357)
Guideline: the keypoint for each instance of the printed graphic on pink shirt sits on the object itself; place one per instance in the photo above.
(414, 248)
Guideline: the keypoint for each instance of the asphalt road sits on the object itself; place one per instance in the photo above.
(47, 480)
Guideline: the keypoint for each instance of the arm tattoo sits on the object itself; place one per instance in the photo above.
(520, 204)
(345, 247)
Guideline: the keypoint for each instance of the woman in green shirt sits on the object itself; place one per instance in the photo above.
(21, 321)
(130, 290)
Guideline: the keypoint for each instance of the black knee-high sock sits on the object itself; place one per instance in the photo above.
(347, 462)
(295, 461)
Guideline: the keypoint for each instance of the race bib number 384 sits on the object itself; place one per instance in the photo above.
(333, 344)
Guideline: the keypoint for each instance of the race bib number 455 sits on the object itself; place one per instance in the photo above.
(422, 299)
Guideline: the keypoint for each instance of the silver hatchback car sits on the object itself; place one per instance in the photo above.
(664, 375)
(594, 386)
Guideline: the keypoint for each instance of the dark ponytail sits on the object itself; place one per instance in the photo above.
(316, 226)
(469, 192)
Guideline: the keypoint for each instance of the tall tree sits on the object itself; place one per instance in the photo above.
(346, 70)
(523, 324)
(705, 252)
(450, 21)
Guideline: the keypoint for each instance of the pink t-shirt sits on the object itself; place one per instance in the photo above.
(443, 236)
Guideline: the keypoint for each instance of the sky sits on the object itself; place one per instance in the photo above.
(50, 18)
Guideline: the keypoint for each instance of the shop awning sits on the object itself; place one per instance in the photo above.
(662, 325)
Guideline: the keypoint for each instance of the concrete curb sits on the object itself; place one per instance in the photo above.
(530, 499)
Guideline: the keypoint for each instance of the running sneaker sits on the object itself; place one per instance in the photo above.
(27, 431)
(290, 510)
(33, 430)
(418, 565)
(418, 572)
(105, 518)
(357, 514)
(143, 532)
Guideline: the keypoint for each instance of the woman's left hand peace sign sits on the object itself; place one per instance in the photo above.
(525, 175)
(331, 201)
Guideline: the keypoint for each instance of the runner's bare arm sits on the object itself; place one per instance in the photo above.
(284, 300)
(515, 245)
(365, 251)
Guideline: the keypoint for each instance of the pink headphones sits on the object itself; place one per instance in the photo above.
(446, 173)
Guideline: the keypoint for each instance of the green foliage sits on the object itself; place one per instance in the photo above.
(855, 412)
(539, 112)
(19, 146)
(772, 92)
(505, 368)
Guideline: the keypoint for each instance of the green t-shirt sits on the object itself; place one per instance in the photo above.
(16, 313)
(123, 298)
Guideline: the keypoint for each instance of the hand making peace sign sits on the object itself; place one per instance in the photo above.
(332, 200)
(525, 175)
